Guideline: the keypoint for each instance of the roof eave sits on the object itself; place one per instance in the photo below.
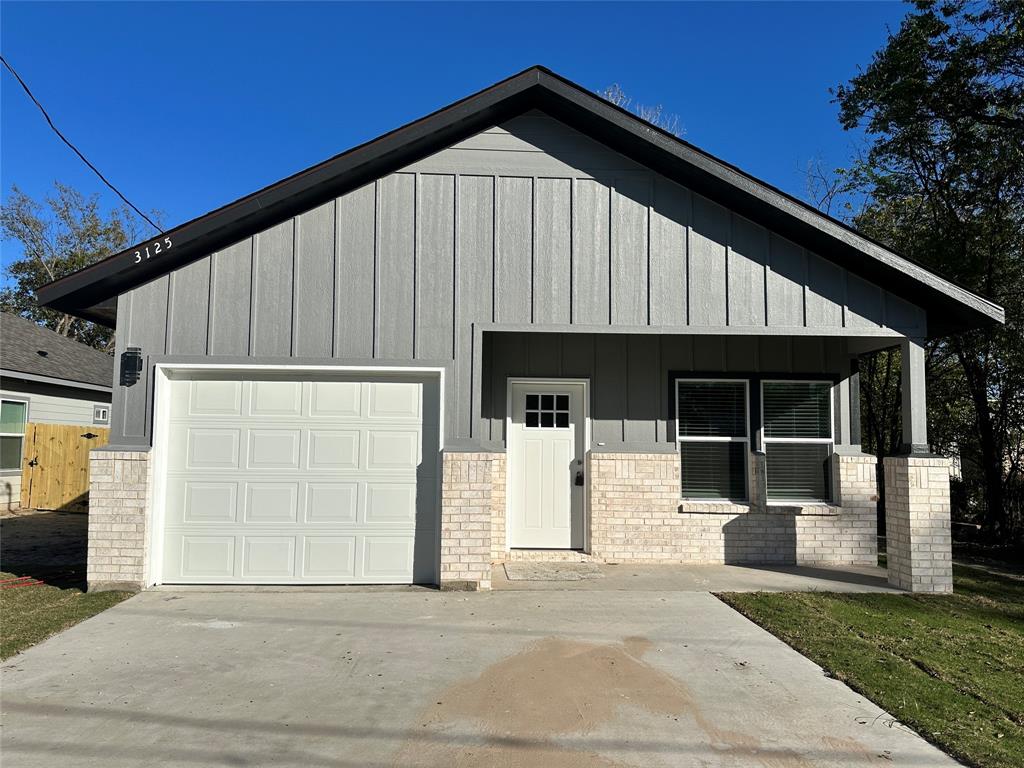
(951, 308)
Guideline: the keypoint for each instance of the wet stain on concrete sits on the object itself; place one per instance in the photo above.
(552, 704)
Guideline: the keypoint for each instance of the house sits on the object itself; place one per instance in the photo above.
(526, 326)
(45, 378)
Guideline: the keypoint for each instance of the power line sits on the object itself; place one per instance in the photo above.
(74, 148)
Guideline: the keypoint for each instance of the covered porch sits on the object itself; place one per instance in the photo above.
(718, 449)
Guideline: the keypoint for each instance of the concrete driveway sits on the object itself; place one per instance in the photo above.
(558, 679)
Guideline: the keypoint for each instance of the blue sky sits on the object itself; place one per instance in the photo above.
(187, 106)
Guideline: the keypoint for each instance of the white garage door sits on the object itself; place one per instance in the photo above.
(307, 482)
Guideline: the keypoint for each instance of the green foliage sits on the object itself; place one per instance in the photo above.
(949, 666)
(942, 182)
(60, 234)
(33, 613)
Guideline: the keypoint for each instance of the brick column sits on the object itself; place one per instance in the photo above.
(466, 520)
(499, 526)
(917, 527)
(119, 500)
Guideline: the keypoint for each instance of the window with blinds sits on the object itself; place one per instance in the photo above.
(713, 438)
(798, 439)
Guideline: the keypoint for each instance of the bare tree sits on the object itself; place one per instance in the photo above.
(653, 114)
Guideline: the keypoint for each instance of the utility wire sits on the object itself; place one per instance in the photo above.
(74, 148)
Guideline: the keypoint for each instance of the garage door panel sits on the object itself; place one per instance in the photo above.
(335, 399)
(207, 557)
(202, 502)
(390, 503)
(210, 448)
(387, 558)
(394, 400)
(329, 558)
(300, 482)
(332, 502)
(274, 448)
(215, 398)
(276, 398)
(334, 449)
(392, 449)
(271, 502)
(268, 557)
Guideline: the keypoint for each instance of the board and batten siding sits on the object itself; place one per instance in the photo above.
(527, 223)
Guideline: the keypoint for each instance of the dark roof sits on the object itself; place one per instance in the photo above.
(29, 348)
(90, 292)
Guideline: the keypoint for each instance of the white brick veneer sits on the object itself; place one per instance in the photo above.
(917, 523)
(499, 528)
(119, 499)
(467, 518)
(636, 515)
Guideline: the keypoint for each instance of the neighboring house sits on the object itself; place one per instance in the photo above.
(45, 378)
(529, 325)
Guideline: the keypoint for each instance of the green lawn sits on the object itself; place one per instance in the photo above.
(30, 614)
(951, 667)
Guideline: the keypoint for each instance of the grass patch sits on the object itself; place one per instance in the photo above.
(949, 666)
(31, 614)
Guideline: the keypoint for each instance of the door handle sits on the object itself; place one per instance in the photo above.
(579, 477)
(34, 462)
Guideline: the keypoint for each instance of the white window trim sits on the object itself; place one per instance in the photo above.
(21, 453)
(104, 422)
(693, 439)
(829, 441)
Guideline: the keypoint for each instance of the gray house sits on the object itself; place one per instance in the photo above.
(527, 326)
(45, 378)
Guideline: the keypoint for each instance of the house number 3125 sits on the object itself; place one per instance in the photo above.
(153, 249)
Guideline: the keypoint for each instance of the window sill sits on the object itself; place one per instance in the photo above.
(714, 507)
(687, 506)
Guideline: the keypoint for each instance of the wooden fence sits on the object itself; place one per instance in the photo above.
(55, 465)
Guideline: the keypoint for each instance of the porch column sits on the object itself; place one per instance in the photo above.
(915, 404)
(917, 524)
(467, 500)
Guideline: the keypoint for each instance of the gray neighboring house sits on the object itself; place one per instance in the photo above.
(45, 378)
(528, 326)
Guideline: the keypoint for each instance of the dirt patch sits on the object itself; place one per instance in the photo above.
(530, 708)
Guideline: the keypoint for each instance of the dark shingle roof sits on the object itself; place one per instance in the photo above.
(29, 348)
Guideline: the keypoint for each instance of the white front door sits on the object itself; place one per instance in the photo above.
(546, 446)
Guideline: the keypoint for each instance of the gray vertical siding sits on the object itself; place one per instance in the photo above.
(313, 281)
(526, 223)
(273, 310)
(630, 375)
(355, 263)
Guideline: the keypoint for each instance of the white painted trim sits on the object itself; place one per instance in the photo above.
(555, 381)
(829, 441)
(13, 471)
(161, 414)
(695, 439)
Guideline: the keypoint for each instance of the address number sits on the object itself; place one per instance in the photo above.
(153, 249)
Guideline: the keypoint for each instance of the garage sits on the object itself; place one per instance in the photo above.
(272, 480)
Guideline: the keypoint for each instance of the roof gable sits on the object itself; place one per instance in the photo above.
(90, 292)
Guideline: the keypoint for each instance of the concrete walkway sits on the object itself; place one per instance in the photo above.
(713, 578)
(364, 678)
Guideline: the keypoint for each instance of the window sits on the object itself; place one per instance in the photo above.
(547, 411)
(712, 435)
(798, 439)
(101, 414)
(13, 415)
